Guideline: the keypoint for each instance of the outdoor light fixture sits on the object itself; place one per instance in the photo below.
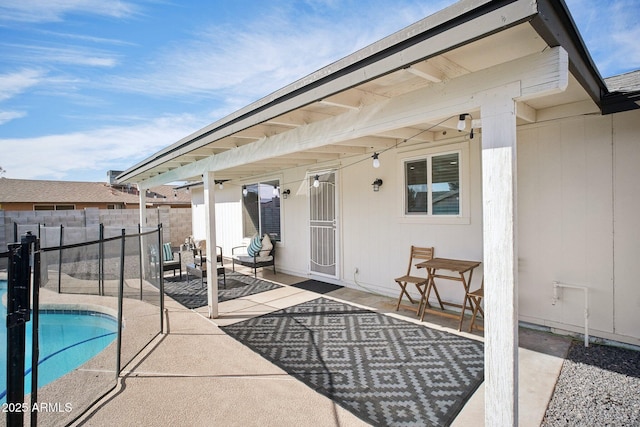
(244, 190)
(376, 161)
(462, 124)
(316, 181)
(376, 184)
(276, 191)
(285, 193)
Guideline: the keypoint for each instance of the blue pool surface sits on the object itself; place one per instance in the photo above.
(68, 339)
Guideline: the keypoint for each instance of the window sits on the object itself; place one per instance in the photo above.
(53, 207)
(433, 185)
(261, 209)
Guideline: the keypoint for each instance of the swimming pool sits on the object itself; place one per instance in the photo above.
(68, 339)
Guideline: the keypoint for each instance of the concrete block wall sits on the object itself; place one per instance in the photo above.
(4, 232)
(176, 223)
(181, 227)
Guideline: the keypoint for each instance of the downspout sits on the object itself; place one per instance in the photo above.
(585, 289)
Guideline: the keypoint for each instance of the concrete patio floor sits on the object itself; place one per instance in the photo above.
(197, 375)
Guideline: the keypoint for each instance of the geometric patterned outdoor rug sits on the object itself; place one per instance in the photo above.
(192, 294)
(384, 370)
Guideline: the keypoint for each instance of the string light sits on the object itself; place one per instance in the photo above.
(375, 156)
(462, 124)
(376, 161)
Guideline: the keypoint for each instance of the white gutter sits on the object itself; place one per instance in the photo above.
(585, 289)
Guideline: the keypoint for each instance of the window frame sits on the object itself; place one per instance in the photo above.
(413, 154)
(257, 183)
(53, 207)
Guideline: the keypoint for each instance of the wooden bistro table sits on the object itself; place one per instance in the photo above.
(454, 265)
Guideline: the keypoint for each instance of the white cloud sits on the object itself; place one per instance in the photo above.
(252, 60)
(61, 156)
(7, 116)
(55, 10)
(12, 84)
(33, 54)
(610, 31)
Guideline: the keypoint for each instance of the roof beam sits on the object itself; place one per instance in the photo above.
(426, 71)
(370, 142)
(338, 149)
(306, 155)
(525, 112)
(539, 74)
(409, 134)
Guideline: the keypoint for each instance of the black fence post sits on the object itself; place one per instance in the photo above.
(140, 256)
(18, 314)
(101, 261)
(120, 298)
(60, 259)
(161, 276)
(35, 329)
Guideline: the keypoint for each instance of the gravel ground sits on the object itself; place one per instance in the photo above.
(598, 386)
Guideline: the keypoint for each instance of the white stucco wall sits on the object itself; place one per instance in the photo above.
(228, 216)
(578, 198)
(374, 237)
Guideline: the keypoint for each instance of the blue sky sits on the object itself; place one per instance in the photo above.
(88, 86)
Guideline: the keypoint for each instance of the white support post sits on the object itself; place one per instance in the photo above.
(142, 200)
(498, 113)
(210, 236)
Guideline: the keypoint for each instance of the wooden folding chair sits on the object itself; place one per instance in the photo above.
(418, 255)
(475, 297)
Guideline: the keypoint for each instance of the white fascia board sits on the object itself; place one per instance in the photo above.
(537, 75)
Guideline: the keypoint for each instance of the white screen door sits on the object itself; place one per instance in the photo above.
(322, 214)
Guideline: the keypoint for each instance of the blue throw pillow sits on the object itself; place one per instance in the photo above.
(167, 253)
(254, 247)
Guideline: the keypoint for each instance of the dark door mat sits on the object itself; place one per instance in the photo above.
(386, 371)
(193, 294)
(317, 286)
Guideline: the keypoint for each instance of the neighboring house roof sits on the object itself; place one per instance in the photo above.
(52, 192)
(624, 91)
(454, 44)
(628, 82)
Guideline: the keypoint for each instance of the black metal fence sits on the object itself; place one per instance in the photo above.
(96, 301)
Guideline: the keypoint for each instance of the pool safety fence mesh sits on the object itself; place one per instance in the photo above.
(97, 302)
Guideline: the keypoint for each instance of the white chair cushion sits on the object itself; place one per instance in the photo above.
(266, 246)
(249, 259)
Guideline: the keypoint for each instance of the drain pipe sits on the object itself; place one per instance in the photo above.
(555, 299)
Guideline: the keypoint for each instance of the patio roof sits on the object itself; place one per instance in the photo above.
(451, 45)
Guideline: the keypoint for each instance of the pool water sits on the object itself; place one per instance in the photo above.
(67, 340)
